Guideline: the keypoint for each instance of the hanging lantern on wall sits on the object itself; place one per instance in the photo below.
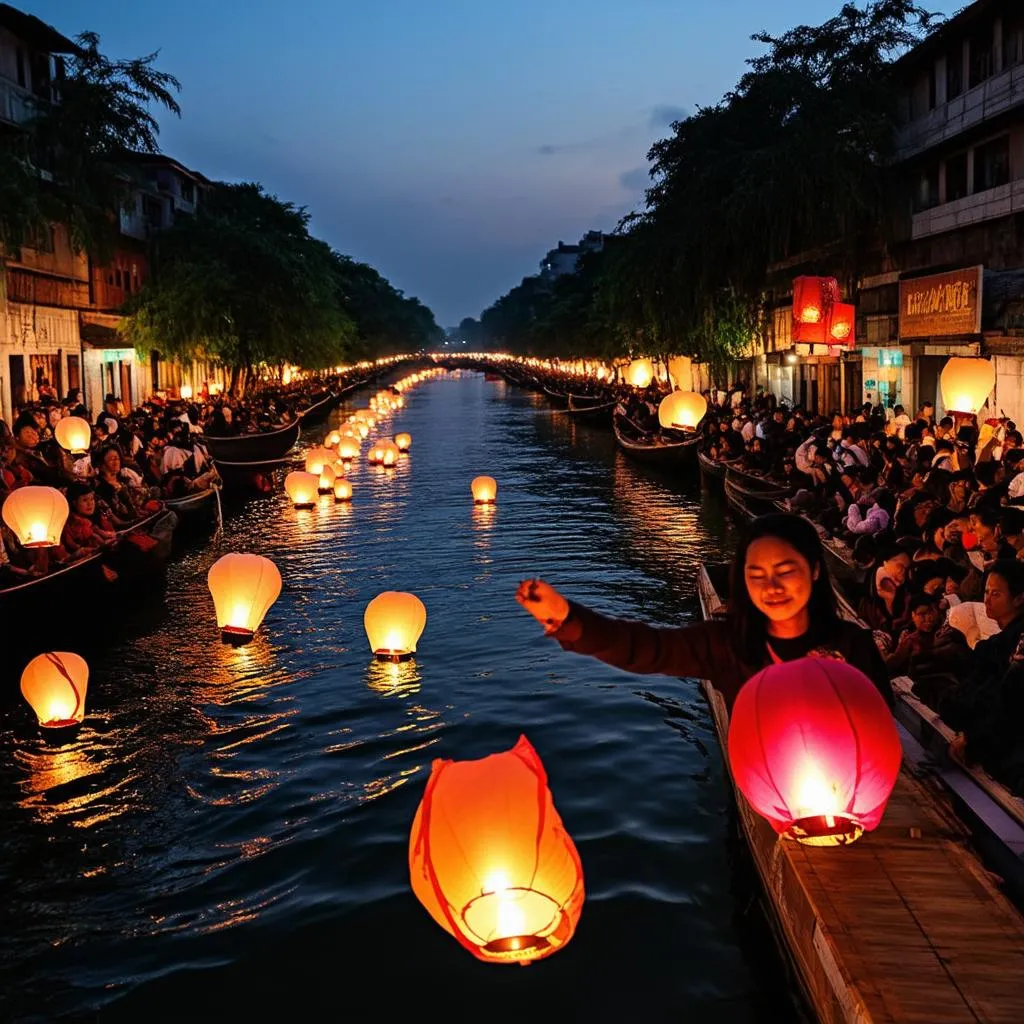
(317, 458)
(186, 392)
(490, 860)
(485, 490)
(640, 373)
(403, 441)
(842, 323)
(966, 383)
(243, 588)
(36, 515)
(813, 747)
(302, 488)
(813, 301)
(54, 684)
(682, 410)
(394, 622)
(73, 434)
(325, 484)
(342, 489)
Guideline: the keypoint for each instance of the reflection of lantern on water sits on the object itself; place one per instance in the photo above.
(404, 442)
(966, 382)
(490, 860)
(813, 748)
(485, 490)
(342, 489)
(325, 484)
(333, 439)
(682, 410)
(302, 488)
(73, 434)
(317, 458)
(36, 515)
(640, 373)
(186, 392)
(348, 449)
(393, 679)
(243, 588)
(54, 684)
(394, 622)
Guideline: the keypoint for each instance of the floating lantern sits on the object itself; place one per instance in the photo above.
(485, 490)
(682, 410)
(364, 431)
(243, 588)
(326, 482)
(302, 488)
(73, 434)
(640, 373)
(403, 442)
(966, 383)
(333, 439)
(54, 685)
(186, 392)
(317, 458)
(375, 454)
(390, 457)
(394, 622)
(813, 748)
(348, 449)
(36, 515)
(490, 860)
(342, 489)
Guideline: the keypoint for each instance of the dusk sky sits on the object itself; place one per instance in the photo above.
(449, 143)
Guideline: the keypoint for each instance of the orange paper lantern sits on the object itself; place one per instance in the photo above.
(36, 515)
(243, 588)
(813, 300)
(404, 442)
(375, 454)
(333, 439)
(342, 489)
(842, 323)
(302, 488)
(966, 382)
(54, 685)
(348, 449)
(73, 434)
(682, 410)
(317, 458)
(394, 622)
(186, 392)
(485, 490)
(325, 484)
(490, 860)
(640, 373)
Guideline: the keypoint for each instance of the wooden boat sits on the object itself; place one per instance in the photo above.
(591, 408)
(559, 399)
(637, 444)
(753, 494)
(905, 926)
(713, 469)
(317, 412)
(255, 476)
(267, 445)
(194, 508)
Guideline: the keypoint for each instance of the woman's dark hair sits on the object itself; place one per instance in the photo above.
(1009, 570)
(747, 624)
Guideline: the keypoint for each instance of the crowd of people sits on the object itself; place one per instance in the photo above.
(929, 514)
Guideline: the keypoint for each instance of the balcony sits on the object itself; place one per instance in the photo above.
(988, 205)
(16, 104)
(995, 96)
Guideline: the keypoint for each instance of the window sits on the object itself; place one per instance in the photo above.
(74, 374)
(188, 192)
(956, 177)
(992, 164)
(20, 58)
(926, 191)
(954, 74)
(1013, 44)
(981, 58)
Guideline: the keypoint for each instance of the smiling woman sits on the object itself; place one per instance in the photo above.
(783, 608)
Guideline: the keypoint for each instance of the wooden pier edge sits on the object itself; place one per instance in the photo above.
(904, 926)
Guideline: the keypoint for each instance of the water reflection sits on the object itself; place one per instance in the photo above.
(393, 679)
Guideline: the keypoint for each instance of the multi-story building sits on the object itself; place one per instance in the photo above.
(564, 259)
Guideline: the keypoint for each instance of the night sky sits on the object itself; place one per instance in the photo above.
(450, 143)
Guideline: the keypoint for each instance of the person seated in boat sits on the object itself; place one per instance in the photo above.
(782, 606)
(28, 457)
(119, 487)
(885, 606)
(88, 528)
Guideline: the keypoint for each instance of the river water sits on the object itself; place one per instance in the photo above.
(227, 836)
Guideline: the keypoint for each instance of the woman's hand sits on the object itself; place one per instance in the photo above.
(544, 603)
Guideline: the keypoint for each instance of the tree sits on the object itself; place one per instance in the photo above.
(103, 108)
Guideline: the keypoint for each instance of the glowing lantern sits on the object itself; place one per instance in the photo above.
(490, 860)
(813, 748)
(302, 488)
(680, 372)
(640, 373)
(317, 458)
(682, 410)
(54, 685)
(186, 392)
(389, 456)
(966, 382)
(813, 301)
(216, 388)
(342, 489)
(842, 322)
(348, 449)
(403, 441)
(243, 588)
(36, 515)
(326, 482)
(485, 490)
(375, 456)
(394, 623)
(333, 439)
(364, 430)
(73, 434)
